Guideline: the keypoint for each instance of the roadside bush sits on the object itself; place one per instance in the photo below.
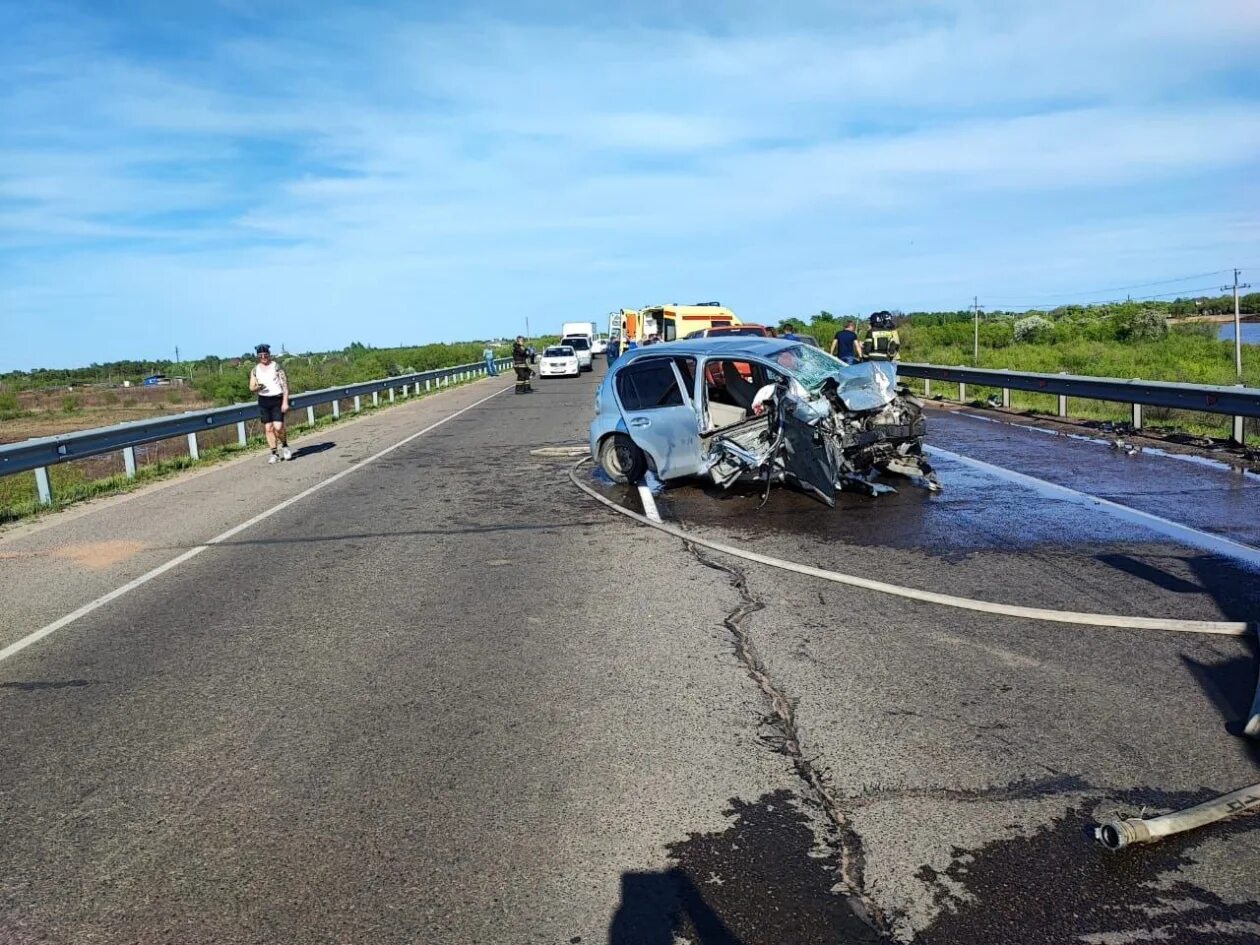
(70, 404)
(1033, 329)
(109, 398)
(1141, 325)
(10, 406)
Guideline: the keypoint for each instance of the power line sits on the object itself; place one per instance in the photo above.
(1141, 298)
(1144, 285)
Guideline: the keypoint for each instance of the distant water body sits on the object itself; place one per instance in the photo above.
(1250, 332)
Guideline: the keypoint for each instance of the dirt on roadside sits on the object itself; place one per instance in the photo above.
(65, 410)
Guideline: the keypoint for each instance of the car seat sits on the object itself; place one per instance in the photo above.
(742, 392)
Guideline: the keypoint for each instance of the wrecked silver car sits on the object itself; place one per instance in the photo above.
(769, 409)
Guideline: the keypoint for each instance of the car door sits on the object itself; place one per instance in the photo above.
(655, 398)
(810, 457)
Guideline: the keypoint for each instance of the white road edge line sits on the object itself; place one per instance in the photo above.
(1220, 627)
(1184, 533)
(649, 504)
(19, 645)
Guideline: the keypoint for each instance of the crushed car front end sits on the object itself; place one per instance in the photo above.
(769, 410)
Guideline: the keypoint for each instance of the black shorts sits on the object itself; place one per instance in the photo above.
(269, 408)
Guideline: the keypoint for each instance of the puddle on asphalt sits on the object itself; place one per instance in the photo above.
(1056, 886)
(758, 882)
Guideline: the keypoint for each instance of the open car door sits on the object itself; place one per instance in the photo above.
(807, 455)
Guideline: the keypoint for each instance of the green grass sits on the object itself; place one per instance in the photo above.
(19, 497)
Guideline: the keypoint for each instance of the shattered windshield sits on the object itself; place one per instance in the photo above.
(810, 366)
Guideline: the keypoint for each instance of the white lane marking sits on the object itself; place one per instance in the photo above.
(1183, 533)
(649, 504)
(161, 569)
(1222, 627)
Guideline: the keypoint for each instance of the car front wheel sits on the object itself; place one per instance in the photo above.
(621, 460)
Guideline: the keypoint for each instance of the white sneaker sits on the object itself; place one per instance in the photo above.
(286, 454)
(274, 458)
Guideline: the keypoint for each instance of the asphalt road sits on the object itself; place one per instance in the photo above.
(446, 698)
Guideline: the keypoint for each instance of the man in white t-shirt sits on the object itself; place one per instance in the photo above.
(268, 379)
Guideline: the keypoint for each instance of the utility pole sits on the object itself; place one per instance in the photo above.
(526, 327)
(975, 347)
(1237, 322)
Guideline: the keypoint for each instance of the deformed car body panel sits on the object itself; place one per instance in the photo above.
(825, 425)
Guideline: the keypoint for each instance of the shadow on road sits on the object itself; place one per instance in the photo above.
(654, 906)
(313, 449)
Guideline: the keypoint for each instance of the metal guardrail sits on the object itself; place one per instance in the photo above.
(1237, 402)
(36, 455)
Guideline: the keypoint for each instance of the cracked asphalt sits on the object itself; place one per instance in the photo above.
(449, 699)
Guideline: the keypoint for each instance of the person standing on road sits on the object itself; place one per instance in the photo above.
(268, 379)
(488, 354)
(520, 364)
(845, 344)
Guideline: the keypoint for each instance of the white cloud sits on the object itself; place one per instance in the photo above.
(372, 154)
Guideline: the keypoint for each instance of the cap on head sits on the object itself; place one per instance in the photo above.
(262, 349)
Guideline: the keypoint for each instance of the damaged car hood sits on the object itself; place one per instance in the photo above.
(868, 385)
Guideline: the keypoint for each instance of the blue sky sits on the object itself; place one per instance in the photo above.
(212, 174)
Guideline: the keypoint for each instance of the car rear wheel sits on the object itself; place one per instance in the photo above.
(621, 460)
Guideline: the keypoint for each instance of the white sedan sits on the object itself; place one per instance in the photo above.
(559, 361)
(599, 345)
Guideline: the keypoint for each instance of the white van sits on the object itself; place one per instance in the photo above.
(581, 346)
(579, 328)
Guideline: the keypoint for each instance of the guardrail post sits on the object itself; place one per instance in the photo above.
(1137, 416)
(391, 395)
(193, 450)
(1006, 397)
(310, 416)
(962, 392)
(336, 409)
(129, 461)
(376, 398)
(1063, 405)
(1239, 430)
(426, 383)
(927, 387)
(358, 403)
(43, 486)
(241, 436)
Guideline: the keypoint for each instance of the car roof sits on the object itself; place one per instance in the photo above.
(730, 346)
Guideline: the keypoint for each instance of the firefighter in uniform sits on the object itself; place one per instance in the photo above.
(883, 343)
(520, 364)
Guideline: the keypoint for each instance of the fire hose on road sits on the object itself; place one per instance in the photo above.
(1114, 833)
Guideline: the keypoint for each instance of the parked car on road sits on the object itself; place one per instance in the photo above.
(766, 408)
(559, 361)
(731, 331)
(599, 345)
(581, 346)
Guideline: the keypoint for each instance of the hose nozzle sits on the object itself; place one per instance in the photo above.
(1115, 833)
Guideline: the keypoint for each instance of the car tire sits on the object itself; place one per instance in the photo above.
(621, 460)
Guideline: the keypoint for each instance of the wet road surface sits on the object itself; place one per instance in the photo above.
(450, 699)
